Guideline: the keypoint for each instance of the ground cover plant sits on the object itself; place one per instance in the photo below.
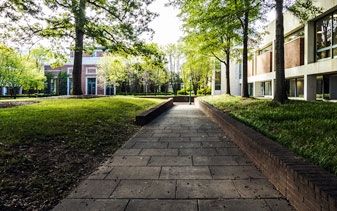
(45, 148)
(307, 128)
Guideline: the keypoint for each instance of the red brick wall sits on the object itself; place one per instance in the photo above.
(264, 63)
(306, 186)
(294, 53)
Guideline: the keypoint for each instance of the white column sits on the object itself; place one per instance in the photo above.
(213, 82)
(333, 87)
(68, 90)
(273, 88)
(309, 43)
(115, 91)
(20, 91)
(310, 83)
(223, 79)
(4, 90)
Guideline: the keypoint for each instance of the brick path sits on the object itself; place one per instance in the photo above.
(181, 161)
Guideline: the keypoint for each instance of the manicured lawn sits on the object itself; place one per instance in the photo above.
(307, 128)
(45, 148)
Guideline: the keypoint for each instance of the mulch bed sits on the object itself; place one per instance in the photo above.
(42, 174)
(9, 104)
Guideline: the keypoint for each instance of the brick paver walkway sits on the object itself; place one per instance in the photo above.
(181, 161)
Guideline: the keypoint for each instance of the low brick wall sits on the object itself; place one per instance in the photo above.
(181, 99)
(306, 186)
(151, 114)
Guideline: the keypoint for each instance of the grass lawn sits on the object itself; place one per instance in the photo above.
(45, 148)
(307, 128)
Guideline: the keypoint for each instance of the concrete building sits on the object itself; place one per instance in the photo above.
(310, 59)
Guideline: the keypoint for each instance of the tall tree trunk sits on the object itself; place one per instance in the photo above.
(244, 92)
(280, 94)
(228, 86)
(79, 28)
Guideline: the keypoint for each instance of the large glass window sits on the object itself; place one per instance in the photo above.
(326, 37)
(217, 80)
(266, 88)
(296, 87)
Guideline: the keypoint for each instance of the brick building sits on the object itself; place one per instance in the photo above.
(91, 85)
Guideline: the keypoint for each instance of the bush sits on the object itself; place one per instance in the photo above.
(182, 92)
(205, 91)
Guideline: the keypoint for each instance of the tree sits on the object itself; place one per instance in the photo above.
(112, 69)
(174, 56)
(223, 20)
(304, 9)
(114, 24)
(18, 71)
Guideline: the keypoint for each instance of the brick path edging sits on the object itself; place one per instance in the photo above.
(151, 114)
(306, 186)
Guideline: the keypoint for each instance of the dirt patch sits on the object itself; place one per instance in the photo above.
(9, 104)
(36, 177)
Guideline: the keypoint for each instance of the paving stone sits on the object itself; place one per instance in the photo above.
(94, 189)
(206, 189)
(256, 188)
(180, 139)
(184, 144)
(101, 172)
(129, 161)
(145, 139)
(160, 152)
(162, 205)
(91, 204)
(279, 205)
(170, 161)
(233, 205)
(219, 160)
(229, 151)
(198, 151)
(145, 189)
(205, 138)
(150, 145)
(185, 172)
(134, 173)
(170, 135)
(235, 172)
(217, 144)
(128, 152)
(194, 135)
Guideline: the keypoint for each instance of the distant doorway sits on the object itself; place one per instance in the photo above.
(91, 86)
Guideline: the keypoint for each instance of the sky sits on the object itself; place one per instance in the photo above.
(167, 26)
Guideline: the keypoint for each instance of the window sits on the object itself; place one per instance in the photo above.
(326, 37)
(70, 71)
(295, 35)
(91, 70)
(91, 86)
(217, 66)
(295, 87)
(266, 49)
(109, 90)
(250, 89)
(266, 88)
(217, 80)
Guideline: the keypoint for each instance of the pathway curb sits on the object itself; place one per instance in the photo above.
(306, 186)
(149, 115)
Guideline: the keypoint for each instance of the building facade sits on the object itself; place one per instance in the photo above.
(60, 81)
(310, 58)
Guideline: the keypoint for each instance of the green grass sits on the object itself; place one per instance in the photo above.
(307, 128)
(46, 147)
